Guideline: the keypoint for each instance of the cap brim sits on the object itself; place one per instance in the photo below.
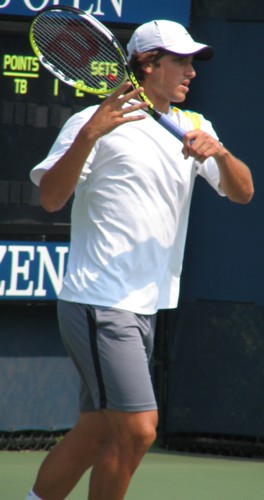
(204, 54)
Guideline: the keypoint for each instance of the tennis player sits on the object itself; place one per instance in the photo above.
(133, 183)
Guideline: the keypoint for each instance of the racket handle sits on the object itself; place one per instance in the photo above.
(175, 130)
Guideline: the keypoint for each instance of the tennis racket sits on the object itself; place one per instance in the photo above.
(80, 51)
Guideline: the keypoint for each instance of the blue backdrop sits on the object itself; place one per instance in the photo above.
(215, 351)
(120, 11)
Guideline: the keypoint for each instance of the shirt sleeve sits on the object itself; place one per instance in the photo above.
(209, 169)
(62, 143)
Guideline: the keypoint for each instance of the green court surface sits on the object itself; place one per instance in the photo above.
(161, 476)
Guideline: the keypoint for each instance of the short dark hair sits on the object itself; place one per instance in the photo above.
(139, 59)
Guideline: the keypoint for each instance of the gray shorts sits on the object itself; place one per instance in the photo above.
(111, 349)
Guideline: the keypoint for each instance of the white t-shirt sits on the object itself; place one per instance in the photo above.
(130, 213)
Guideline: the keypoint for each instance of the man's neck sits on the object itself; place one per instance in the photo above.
(159, 102)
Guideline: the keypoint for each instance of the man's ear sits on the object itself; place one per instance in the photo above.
(147, 68)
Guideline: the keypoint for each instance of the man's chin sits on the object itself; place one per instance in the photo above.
(179, 98)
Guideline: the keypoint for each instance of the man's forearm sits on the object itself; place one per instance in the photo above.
(235, 178)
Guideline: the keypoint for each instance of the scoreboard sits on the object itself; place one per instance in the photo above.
(33, 107)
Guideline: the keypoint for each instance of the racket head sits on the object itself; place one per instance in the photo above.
(78, 49)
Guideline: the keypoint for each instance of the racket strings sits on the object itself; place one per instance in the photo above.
(77, 51)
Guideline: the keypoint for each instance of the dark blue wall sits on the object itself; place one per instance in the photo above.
(215, 344)
(38, 382)
(216, 336)
(225, 247)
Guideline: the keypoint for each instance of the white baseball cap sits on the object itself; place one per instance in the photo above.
(169, 36)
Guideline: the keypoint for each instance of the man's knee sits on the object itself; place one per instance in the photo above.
(139, 433)
(145, 435)
(138, 442)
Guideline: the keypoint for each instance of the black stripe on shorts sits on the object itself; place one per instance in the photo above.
(96, 359)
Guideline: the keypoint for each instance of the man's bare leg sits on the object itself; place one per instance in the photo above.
(67, 461)
(132, 435)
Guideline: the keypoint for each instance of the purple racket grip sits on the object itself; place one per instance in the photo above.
(171, 127)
